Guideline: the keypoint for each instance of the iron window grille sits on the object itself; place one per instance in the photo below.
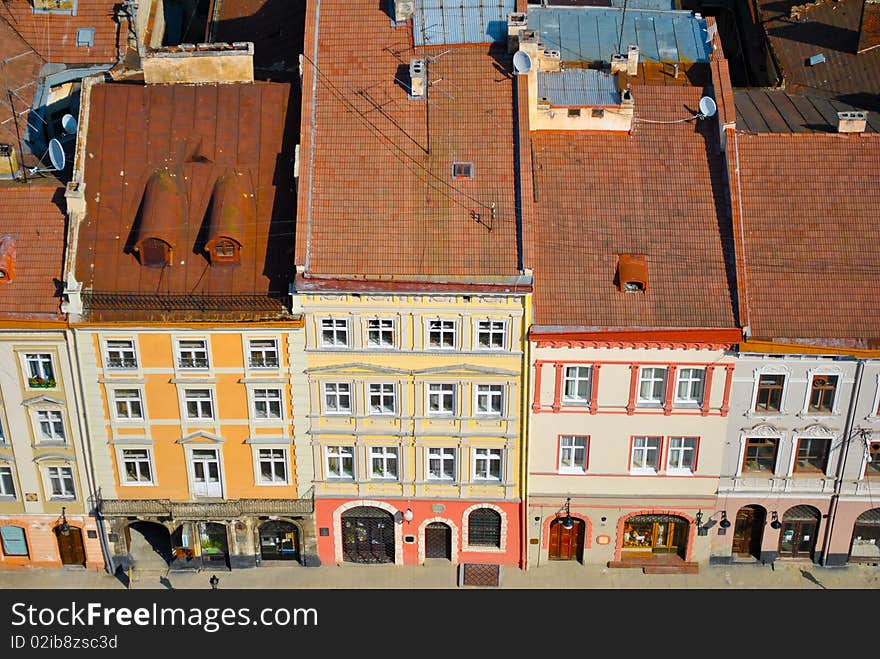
(337, 397)
(490, 334)
(121, 354)
(262, 353)
(137, 467)
(484, 528)
(273, 465)
(192, 354)
(577, 384)
(441, 464)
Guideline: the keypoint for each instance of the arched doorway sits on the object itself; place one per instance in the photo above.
(149, 545)
(748, 531)
(214, 542)
(648, 535)
(866, 537)
(566, 544)
(367, 535)
(438, 541)
(279, 541)
(70, 546)
(798, 536)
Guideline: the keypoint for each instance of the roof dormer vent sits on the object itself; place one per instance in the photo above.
(632, 273)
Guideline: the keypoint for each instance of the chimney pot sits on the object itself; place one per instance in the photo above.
(852, 122)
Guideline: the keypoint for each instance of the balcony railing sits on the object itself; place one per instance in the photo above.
(192, 362)
(260, 362)
(122, 363)
(207, 509)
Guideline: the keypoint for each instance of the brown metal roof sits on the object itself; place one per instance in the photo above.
(193, 135)
(776, 111)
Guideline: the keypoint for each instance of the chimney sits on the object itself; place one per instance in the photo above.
(619, 63)
(418, 79)
(7, 259)
(516, 23)
(852, 122)
(632, 61)
(869, 28)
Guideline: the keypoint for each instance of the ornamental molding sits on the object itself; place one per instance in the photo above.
(763, 430)
(816, 430)
(633, 345)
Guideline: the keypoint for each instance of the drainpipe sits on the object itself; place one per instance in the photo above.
(841, 463)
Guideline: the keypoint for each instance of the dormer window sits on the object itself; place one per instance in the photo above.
(462, 170)
(155, 253)
(632, 273)
(225, 250)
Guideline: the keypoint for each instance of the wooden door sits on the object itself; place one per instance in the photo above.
(747, 532)
(566, 544)
(797, 539)
(71, 547)
(438, 541)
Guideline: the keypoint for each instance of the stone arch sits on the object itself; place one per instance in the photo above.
(692, 528)
(337, 527)
(421, 537)
(464, 529)
(258, 524)
(545, 533)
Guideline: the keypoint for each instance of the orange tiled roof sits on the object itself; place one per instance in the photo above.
(809, 214)
(658, 191)
(32, 216)
(53, 36)
(381, 200)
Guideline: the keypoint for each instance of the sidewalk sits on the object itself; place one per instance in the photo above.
(805, 576)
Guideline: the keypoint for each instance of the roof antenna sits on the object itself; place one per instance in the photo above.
(622, 21)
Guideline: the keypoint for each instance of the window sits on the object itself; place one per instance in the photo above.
(490, 399)
(272, 464)
(41, 374)
(574, 112)
(262, 353)
(682, 455)
(128, 404)
(7, 485)
(652, 386)
(462, 170)
(823, 390)
(441, 334)
(51, 425)
(441, 399)
(192, 353)
(340, 461)
(155, 253)
(137, 468)
(121, 354)
(14, 541)
(85, 37)
(54, 7)
(383, 462)
(490, 334)
(646, 454)
(380, 333)
(61, 482)
(484, 528)
(576, 387)
(441, 464)
(226, 251)
(760, 455)
(769, 397)
(199, 404)
(337, 397)
(872, 468)
(812, 455)
(382, 399)
(573, 454)
(487, 464)
(334, 332)
(2, 433)
(689, 390)
(267, 403)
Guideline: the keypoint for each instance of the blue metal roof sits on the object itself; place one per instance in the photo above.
(438, 22)
(587, 34)
(644, 4)
(578, 87)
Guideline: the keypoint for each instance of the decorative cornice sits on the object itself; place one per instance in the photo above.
(42, 400)
(201, 434)
(633, 345)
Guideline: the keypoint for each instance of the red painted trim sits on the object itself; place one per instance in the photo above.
(536, 403)
(727, 336)
(707, 390)
(594, 390)
(728, 383)
(696, 455)
(557, 394)
(633, 384)
(626, 362)
(645, 411)
(623, 475)
(669, 389)
(624, 345)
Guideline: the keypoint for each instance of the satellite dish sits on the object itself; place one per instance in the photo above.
(707, 107)
(68, 124)
(522, 63)
(56, 154)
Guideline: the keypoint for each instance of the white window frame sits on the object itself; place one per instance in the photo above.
(443, 454)
(658, 452)
(4, 495)
(193, 351)
(496, 327)
(387, 455)
(338, 327)
(336, 394)
(264, 352)
(382, 393)
(191, 469)
(340, 452)
(444, 330)
(570, 449)
(651, 402)
(786, 381)
(186, 400)
(114, 404)
(267, 401)
(700, 383)
(106, 341)
(123, 471)
(40, 369)
(811, 376)
(577, 379)
(441, 396)
(50, 479)
(483, 459)
(274, 459)
(682, 451)
(54, 417)
(491, 394)
(384, 326)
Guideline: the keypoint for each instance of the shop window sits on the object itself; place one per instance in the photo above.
(655, 534)
(484, 528)
(14, 541)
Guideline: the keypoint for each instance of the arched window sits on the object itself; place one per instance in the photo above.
(14, 541)
(224, 250)
(484, 528)
(155, 253)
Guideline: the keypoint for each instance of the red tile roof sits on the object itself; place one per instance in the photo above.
(206, 131)
(657, 191)
(381, 200)
(53, 36)
(32, 215)
(809, 253)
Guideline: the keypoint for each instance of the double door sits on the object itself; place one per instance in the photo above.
(206, 473)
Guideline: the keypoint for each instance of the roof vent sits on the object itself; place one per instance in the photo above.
(852, 122)
(403, 10)
(418, 78)
(7, 259)
(632, 273)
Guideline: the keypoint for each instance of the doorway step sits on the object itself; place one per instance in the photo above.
(658, 564)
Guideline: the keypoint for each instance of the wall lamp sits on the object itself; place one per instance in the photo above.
(64, 527)
(724, 523)
(775, 524)
(567, 521)
(406, 516)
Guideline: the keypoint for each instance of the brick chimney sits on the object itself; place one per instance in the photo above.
(869, 28)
